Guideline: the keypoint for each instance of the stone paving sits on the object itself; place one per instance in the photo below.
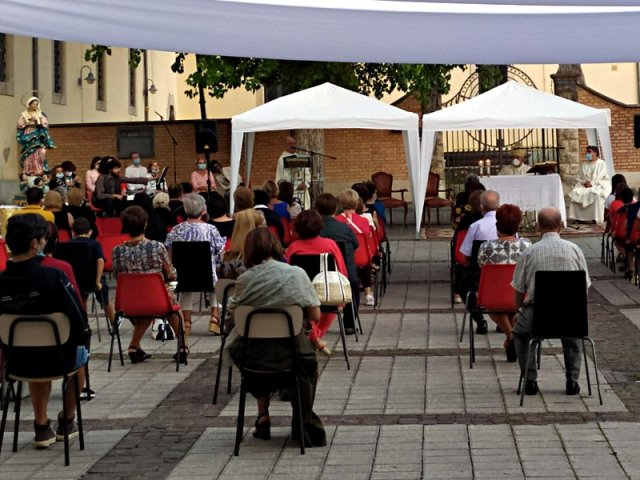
(409, 408)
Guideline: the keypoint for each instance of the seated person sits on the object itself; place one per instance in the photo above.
(275, 203)
(327, 206)
(218, 210)
(269, 282)
(308, 226)
(77, 208)
(29, 288)
(35, 197)
(139, 255)
(261, 203)
(462, 206)
(285, 193)
(232, 265)
(505, 250)
(482, 230)
(82, 234)
(619, 230)
(175, 203)
(591, 189)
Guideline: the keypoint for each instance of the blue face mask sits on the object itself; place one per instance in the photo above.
(202, 166)
(136, 161)
(68, 174)
(60, 175)
(588, 157)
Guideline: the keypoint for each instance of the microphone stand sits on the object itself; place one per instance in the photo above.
(175, 143)
(311, 152)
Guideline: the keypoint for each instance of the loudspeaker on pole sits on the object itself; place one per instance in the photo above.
(206, 137)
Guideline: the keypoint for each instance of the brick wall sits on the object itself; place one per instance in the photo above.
(626, 157)
(359, 153)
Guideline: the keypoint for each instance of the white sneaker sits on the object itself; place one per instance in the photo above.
(369, 300)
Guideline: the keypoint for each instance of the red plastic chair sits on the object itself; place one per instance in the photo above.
(456, 259)
(108, 225)
(108, 243)
(90, 202)
(64, 235)
(495, 295)
(4, 255)
(143, 296)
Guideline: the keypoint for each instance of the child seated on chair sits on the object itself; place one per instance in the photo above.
(82, 233)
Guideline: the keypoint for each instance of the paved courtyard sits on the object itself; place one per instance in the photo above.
(409, 408)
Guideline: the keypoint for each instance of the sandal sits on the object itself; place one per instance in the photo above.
(263, 429)
(214, 325)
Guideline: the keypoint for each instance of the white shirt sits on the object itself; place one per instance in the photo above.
(483, 229)
(135, 172)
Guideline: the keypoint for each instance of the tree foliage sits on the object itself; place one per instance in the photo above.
(216, 75)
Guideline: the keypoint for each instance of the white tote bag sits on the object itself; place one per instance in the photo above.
(332, 287)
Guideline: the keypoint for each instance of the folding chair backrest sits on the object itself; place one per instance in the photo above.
(108, 225)
(4, 255)
(193, 264)
(34, 330)
(142, 295)
(108, 243)
(78, 255)
(560, 304)
(311, 263)
(494, 290)
(224, 290)
(268, 323)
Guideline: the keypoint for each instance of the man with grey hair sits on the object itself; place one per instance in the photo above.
(482, 230)
(550, 253)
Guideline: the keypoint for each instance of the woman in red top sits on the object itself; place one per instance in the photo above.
(308, 226)
(360, 226)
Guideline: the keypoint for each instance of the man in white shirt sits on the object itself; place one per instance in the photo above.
(516, 167)
(135, 170)
(482, 230)
(591, 189)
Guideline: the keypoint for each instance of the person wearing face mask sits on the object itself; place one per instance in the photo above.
(70, 179)
(591, 189)
(107, 195)
(155, 172)
(57, 179)
(516, 167)
(199, 177)
(135, 170)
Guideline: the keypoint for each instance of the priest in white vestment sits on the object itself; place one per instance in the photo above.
(591, 189)
(299, 177)
(516, 167)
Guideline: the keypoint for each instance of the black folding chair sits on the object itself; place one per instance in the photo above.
(224, 290)
(553, 319)
(270, 324)
(44, 337)
(192, 261)
(354, 309)
(311, 265)
(79, 256)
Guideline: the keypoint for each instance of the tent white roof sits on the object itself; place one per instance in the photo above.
(480, 31)
(513, 105)
(323, 107)
(326, 105)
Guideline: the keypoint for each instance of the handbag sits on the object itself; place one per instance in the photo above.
(332, 287)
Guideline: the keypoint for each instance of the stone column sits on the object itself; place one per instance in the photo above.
(566, 81)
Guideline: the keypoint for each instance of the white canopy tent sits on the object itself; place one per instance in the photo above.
(513, 105)
(322, 107)
(436, 31)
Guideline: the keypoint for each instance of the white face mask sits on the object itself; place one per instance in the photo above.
(516, 162)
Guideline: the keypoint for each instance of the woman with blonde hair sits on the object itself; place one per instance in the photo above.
(275, 204)
(232, 263)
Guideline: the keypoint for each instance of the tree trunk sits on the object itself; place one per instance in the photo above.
(313, 140)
